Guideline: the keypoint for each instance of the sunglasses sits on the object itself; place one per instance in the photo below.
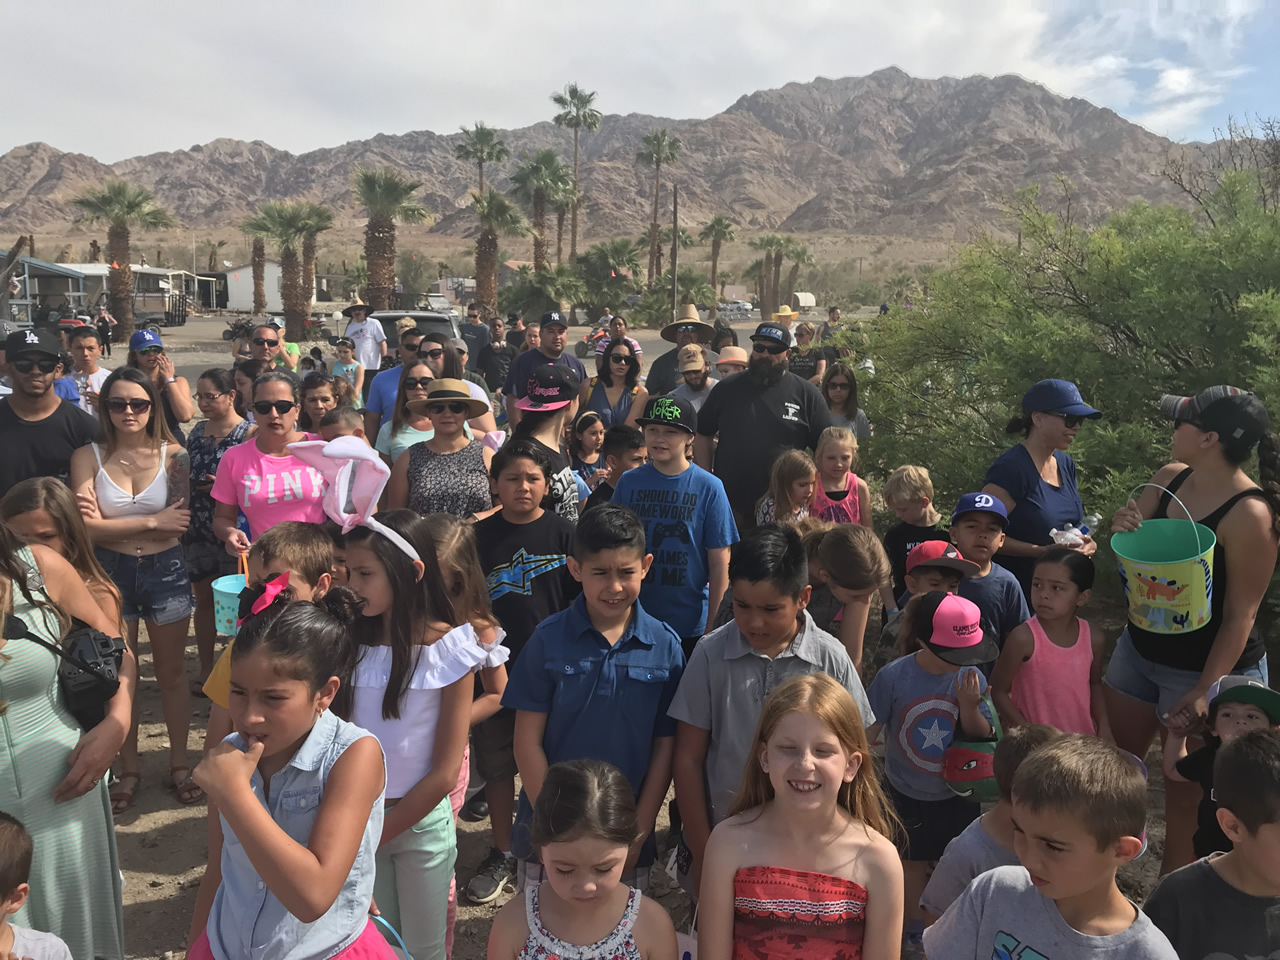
(45, 365)
(686, 328)
(620, 358)
(473, 316)
(455, 407)
(1069, 420)
(150, 351)
(264, 342)
(208, 397)
(838, 385)
(417, 383)
(1180, 422)
(770, 348)
(135, 405)
(434, 354)
(264, 407)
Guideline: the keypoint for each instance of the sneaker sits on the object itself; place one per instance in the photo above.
(475, 809)
(496, 876)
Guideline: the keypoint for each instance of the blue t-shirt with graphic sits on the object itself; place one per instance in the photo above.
(684, 516)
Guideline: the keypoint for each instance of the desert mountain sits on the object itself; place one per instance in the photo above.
(882, 154)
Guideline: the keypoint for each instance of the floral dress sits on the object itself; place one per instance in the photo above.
(206, 556)
(455, 483)
(541, 945)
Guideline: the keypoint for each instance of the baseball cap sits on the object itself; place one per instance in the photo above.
(142, 339)
(277, 322)
(733, 355)
(550, 388)
(1226, 411)
(669, 412)
(32, 341)
(981, 503)
(1237, 689)
(691, 357)
(460, 345)
(553, 316)
(1058, 396)
(774, 332)
(951, 627)
(512, 317)
(939, 553)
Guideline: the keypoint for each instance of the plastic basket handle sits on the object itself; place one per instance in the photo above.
(1194, 525)
(242, 566)
(392, 930)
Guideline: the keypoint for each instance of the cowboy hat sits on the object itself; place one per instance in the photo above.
(357, 306)
(689, 317)
(446, 389)
(785, 313)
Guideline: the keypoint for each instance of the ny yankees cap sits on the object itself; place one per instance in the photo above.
(951, 627)
(981, 503)
(552, 317)
(32, 341)
(669, 412)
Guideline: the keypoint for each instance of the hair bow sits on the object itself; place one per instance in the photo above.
(355, 478)
(253, 600)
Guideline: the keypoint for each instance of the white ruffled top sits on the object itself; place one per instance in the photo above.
(408, 741)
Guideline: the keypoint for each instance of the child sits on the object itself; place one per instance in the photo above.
(1079, 807)
(524, 551)
(986, 843)
(842, 495)
(585, 439)
(921, 700)
(338, 540)
(931, 565)
(823, 606)
(348, 367)
(300, 791)
(583, 826)
(853, 565)
(804, 865)
(909, 494)
(772, 637)
(623, 449)
(1236, 706)
(977, 530)
(687, 521)
(595, 683)
(791, 487)
(1225, 906)
(1050, 670)
(342, 422)
(16, 852)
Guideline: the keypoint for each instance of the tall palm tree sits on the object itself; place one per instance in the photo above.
(561, 201)
(211, 248)
(498, 217)
(388, 195)
(659, 149)
(319, 219)
(725, 278)
(719, 231)
(258, 261)
(534, 183)
(284, 223)
(480, 145)
(122, 207)
(773, 247)
(754, 274)
(578, 114)
(799, 256)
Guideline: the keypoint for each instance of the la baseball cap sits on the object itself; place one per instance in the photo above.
(690, 357)
(552, 317)
(940, 553)
(142, 339)
(773, 332)
(550, 388)
(980, 503)
(32, 341)
(951, 627)
(669, 412)
(1058, 396)
(1238, 689)
(1227, 411)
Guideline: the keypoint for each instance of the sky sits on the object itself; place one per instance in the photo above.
(141, 76)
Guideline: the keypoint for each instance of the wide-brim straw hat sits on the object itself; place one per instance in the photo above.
(689, 317)
(786, 313)
(446, 389)
(357, 306)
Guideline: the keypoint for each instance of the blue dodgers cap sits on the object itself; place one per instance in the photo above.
(143, 339)
(981, 503)
(774, 332)
(1058, 396)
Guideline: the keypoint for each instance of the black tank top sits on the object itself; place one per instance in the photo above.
(1189, 651)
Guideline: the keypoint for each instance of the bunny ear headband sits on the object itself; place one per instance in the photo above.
(355, 477)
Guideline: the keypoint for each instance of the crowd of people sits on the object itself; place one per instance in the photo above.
(482, 583)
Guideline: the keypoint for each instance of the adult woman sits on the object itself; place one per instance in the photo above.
(615, 392)
(807, 361)
(221, 429)
(320, 393)
(260, 476)
(840, 390)
(133, 490)
(405, 428)
(1036, 479)
(146, 353)
(51, 775)
(245, 373)
(445, 364)
(448, 473)
(532, 339)
(1165, 676)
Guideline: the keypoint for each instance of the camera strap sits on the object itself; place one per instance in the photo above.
(16, 628)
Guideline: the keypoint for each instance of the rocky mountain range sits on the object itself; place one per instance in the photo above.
(884, 154)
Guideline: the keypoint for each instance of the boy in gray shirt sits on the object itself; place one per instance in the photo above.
(1079, 808)
(16, 850)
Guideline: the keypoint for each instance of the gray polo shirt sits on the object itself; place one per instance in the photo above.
(724, 688)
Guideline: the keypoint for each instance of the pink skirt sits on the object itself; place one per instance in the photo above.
(370, 945)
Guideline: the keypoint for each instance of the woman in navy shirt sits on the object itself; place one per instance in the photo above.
(1037, 479)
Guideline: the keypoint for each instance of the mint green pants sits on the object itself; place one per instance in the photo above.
(411, 885)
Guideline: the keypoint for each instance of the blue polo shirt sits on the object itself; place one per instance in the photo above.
(382, 393)
(602, 702)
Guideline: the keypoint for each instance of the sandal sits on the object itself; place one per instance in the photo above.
(186, 790)
(121, 796)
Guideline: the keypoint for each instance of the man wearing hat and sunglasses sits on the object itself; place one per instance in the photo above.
(758, 416)
(689, 327)
(370, 340)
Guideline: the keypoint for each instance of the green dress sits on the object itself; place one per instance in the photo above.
(76, 886)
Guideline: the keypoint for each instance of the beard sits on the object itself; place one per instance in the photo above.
(765, 372)
(699, 382)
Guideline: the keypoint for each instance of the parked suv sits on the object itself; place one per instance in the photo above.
(428, 321)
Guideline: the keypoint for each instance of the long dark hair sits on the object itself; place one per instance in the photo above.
(343, 395)
(586, 420)
(401, 414)
(223, 379)
(315, 639)
(452, 362)
(584, 798)
(251, 369)
(605, 367)
(15, 574)
(842, 368)
(157, 429)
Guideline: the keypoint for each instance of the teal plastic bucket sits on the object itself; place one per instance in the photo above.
(226, 602)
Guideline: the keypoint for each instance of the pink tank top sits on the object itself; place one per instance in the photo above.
(1053, 684)
(845, 510)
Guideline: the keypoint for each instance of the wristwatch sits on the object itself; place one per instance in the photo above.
(172, 380)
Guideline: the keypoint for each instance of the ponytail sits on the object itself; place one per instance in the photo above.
(1019, 424)
(1269, 474)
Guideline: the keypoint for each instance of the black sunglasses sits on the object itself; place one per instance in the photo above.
(264, 342)
(454, 406)
(264, 407)
(414, 383)
(45, 365)
(770, 348)
(134, 405)
(620, 357)
(208, 397)
(1070, 420)
(434, 354)
(839, 385)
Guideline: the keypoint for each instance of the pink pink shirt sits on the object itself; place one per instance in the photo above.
(1052, 685)
(846, 510)
(269, 490)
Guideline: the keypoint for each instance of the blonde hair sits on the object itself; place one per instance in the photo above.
(911, 483)
(804, 326)
(459, 561)
(787, 469)
(812, 530)
(853, 557)
(832, 435)
(818, 694)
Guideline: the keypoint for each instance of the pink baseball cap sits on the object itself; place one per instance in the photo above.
(951, 627)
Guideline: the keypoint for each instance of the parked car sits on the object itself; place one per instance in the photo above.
(428, 321)
(735, 311)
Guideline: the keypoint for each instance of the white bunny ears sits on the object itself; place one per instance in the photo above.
(355, 476)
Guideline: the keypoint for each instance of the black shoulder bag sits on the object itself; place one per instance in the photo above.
(90, 670)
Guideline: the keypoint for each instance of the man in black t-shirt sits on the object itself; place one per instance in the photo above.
(759, 415)
(494, 360)
(38, 429)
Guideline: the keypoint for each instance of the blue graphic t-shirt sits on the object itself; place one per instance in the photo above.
(684, 516)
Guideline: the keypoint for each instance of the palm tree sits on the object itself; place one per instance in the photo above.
(578, 114)
(660, 149)
(258, 261)
(799, 256)
(773, 247)
(480, 145)
(562, 201)
(754, 274)
(498, 217)
(319, 219)
(211, 248)
(122, 207)
(388, 195)
(719, 231)
(284, 223)
(357, 278)
(725, 278)
(610, 269)
(535, 182)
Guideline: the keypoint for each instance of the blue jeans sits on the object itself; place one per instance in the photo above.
(155, 588)
(1135, 676)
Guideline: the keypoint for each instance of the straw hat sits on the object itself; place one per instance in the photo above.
(448, 389)
(786, 315)
(357, 306)
(689, 317)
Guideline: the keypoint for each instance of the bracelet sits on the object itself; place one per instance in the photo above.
(172, 380)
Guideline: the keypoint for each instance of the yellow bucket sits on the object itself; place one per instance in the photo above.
(1166, 566)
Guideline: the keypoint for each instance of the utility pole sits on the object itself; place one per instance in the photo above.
(675, 249)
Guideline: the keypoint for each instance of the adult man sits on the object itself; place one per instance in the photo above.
(380, 397)
(687, 328)
(554, 335)
(833, 321)
(515, 330)
(370, 341)
(86, 350)
(696, 372)
(104, 321)
(758, 416)
(38, 429)
(476, 333)
(618, 331)
(464, 354)
(266, 344)
(495, 359)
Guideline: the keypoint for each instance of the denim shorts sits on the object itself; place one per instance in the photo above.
(1132, 674)
(154, 588)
